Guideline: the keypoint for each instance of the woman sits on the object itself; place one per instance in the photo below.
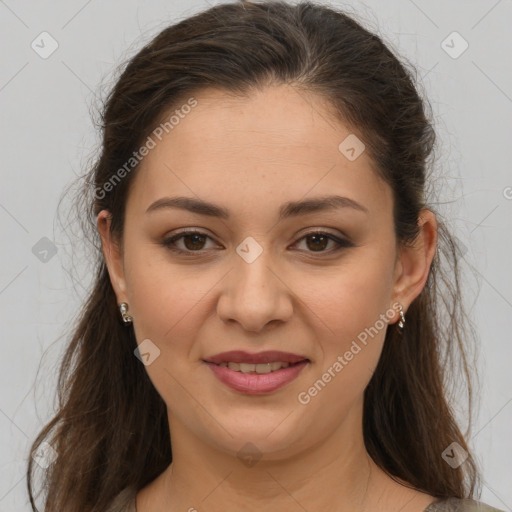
(270, 311)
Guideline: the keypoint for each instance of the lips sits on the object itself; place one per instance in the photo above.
(254, 383)
(269, 356)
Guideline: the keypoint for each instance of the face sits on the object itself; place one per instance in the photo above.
(317, 283)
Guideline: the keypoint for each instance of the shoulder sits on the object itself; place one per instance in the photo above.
(124, 501)
(460, 505)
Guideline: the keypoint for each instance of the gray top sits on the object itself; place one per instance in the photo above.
(125, 502)
(457, 505)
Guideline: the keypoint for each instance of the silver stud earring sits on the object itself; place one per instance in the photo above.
(401, 322)
(123, 307)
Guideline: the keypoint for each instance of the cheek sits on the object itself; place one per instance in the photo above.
(166, 301)
(165, 298)
(352, 296)
(353, 310)
(160, 294)
(356, 311)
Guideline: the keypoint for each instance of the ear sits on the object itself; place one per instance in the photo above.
(113, 256)
(413, 262)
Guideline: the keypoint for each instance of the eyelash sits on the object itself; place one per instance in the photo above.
(169, 242)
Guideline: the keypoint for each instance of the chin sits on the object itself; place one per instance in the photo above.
(269, 436)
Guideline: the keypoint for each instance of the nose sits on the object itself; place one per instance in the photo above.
(255, 295)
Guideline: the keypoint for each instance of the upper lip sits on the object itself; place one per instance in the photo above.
(268, 356)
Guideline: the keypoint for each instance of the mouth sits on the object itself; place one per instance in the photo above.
(268, 356)
(259, 368)
(256, 374)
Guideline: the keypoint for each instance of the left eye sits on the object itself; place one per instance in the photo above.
(318, 241)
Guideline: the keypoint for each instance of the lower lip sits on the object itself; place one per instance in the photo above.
(257, 383)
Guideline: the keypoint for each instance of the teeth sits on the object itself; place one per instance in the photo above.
(258, 368)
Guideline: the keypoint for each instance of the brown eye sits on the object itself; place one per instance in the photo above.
(193, 241)
(317, 241)
(196, 241)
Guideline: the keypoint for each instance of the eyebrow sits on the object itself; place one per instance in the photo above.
(290, 209)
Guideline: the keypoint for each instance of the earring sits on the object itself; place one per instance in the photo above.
(401, 322)
(123, 307)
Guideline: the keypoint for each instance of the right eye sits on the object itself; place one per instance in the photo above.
(197, 238)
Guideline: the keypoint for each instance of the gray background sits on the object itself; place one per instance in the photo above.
(47, 138)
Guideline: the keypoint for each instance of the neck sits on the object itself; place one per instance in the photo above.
(336, 474)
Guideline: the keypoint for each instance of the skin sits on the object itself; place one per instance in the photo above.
(251, 155)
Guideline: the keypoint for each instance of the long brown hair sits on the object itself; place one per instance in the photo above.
(111, 430)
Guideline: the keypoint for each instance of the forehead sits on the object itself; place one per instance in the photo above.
(273, 143)
(281, 119)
